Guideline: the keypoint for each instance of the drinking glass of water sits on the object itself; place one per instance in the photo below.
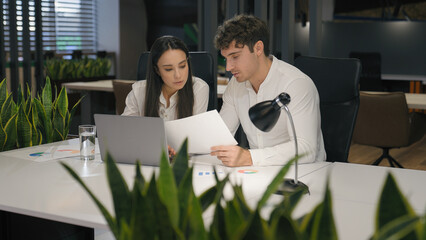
(87, 134)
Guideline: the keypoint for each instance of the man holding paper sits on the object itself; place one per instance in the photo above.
(258, 76)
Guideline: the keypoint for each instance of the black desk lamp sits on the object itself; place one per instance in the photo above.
(264, 116)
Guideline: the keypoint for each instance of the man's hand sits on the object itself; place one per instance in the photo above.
(232, 156)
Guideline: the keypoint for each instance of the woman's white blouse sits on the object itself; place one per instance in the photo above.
(135, 101)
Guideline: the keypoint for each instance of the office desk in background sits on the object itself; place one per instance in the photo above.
(417, 82)
(45, 190)
(414, 100)
(86, 89)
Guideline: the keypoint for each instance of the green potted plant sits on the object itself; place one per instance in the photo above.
(85, 69)
(33, 121)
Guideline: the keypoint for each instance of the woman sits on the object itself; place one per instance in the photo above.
(170, 91)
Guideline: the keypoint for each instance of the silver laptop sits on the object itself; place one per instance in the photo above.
(131, 138)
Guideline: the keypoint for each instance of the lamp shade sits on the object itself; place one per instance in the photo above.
(264, 115)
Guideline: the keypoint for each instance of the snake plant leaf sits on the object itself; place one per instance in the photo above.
(234, 220)
(58, 124)
(11, 134)
(180, 163)
(24, 128)
(57, 136)
(197, 228)
(399, 228)
(185, 194)
(213, 194)
(142, 212)
(119, 191)
(217, 228)
(164, 228)
(7, 110)
(392, 204)
(74, 108)
(2, 136)
(45, 122)
(46, 98)
(167, 190)
(3, 92)
(20, 97)
(319, 224)
(273, 186)
(256, 227)
(61, 103)
(108, 217)
(139, 177)
(284, 225)
(239, 196)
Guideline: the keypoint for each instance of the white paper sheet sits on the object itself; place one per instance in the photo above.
(203, 131)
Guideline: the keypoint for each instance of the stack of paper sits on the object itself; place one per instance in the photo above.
(203, 131)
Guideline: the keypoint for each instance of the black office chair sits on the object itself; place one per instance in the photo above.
(337, 82)
(202, 66)
(371, 74)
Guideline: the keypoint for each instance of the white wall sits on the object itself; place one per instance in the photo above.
(108, 27)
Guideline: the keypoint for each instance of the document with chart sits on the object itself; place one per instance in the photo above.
(203, 131)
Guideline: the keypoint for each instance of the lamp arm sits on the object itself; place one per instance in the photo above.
(295, 141)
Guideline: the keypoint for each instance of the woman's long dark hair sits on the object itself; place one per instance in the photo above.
(154, 82)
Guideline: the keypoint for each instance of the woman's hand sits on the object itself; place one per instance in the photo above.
(172, 153)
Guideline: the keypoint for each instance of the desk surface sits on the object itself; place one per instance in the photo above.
(404, 77)
(46, 190)
(355, 192)
(101, 85)
(414, 100)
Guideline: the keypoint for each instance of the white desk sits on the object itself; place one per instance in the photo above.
(46, 190)
(414, 100)
(404, 77)
(355, 192)
(86, 88)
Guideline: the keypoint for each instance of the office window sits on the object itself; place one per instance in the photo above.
(67, 25)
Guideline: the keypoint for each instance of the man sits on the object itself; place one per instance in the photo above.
(258, 76)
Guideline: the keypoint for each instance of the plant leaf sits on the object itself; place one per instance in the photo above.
(319, 224)
(46, 98)
(11, 134)
(167, 190)
(197, 228)
(61, 103)
(180, 165)
(3, 92)
(234, 220)
(392, 205)
(164, 227)
(142, 214)
(24, 128)
(273, 186)
(398, 228)
(119, 191)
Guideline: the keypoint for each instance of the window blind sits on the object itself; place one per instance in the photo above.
(67, 25)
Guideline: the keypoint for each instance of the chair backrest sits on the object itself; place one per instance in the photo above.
(383, 120)
(371, 74)
(202, 66)
(337, 82)
(121, 89)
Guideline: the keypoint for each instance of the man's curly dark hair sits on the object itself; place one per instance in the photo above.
(245, 30)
